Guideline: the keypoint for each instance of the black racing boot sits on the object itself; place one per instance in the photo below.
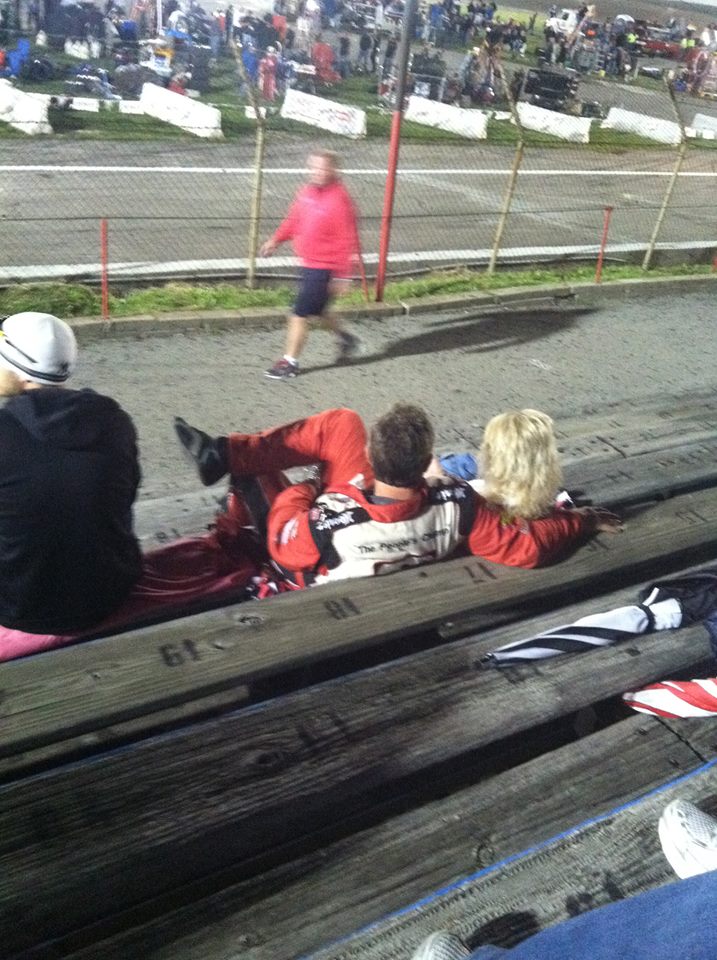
(208, 454)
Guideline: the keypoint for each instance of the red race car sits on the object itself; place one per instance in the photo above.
(656, 42)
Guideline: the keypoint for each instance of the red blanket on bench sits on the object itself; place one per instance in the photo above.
(184, 577)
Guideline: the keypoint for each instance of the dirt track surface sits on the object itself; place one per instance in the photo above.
(463, 367)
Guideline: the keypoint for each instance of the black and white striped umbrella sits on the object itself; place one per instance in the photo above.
(666, 604)
(587, 633)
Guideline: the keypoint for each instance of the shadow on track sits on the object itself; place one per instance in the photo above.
(474, 334)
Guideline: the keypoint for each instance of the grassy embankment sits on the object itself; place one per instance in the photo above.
(75, 300)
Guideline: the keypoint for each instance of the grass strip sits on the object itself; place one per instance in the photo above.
(79, 300)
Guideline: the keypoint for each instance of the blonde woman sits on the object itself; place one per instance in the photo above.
(519, 462)
(518, 471)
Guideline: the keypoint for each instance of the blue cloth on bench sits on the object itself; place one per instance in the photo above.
(675, 922)
(461, 465)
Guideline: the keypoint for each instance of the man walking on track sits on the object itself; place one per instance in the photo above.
(322, 225)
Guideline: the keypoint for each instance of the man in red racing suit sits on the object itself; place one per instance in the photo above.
(374, 512)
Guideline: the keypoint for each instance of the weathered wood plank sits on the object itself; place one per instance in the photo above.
(70, 692)
(621, 417)
(658, 474)
(652, 438)
(578, 451)
(601, 862)
(220, 792)
(584, 435)
(116, 734)
(699, 733)
(329, 894)
(160, 521)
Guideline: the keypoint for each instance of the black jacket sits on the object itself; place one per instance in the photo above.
(69, 474)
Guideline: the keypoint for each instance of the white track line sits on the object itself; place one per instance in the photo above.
(371, 172)
(148, 268)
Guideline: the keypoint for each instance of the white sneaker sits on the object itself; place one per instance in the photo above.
(442, 946)
(689, 839)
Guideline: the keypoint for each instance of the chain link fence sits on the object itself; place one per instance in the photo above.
(566, 152)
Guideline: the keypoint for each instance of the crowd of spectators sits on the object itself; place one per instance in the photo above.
(314, 43)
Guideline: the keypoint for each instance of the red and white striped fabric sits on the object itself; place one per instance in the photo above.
(676, 698)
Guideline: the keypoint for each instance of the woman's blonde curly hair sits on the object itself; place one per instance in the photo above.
(519, 463)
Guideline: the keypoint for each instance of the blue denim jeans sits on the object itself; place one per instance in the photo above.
(675, 922)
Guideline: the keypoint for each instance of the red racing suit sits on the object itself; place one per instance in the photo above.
(322, 224)
(337, 532)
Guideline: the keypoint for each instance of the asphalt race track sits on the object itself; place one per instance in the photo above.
(189, 203)
(563, 357)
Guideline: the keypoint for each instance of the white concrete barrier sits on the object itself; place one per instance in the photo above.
(472, 124)
(84, 104)
(704, 121)
(22, 111)
(133, 107)
(575, 129)
(695, 133)
(652, 128)
(197, 118)
(326, 114)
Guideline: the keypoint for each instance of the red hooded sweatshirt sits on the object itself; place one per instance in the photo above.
(322, 224)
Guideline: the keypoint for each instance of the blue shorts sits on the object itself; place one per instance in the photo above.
(314, 296)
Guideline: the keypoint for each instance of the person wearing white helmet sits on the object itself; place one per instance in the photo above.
(69, 475)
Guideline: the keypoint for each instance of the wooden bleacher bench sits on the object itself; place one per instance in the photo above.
(161, 521)
(606, 430)
(216, 793)
(329, 893)
(82, 690)
(600, 861)
(159, 786)
(622, 458)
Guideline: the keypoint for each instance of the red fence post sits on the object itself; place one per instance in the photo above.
(104, 258)
(389, 193)
(404, 51)
(603, 244)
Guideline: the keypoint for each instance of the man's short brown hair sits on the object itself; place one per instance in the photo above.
(331, 155)
(400, 445)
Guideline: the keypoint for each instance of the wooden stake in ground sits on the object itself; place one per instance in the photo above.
(255, 214)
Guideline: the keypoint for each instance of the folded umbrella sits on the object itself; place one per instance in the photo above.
(666, 604)
(696, 593)
(587, 633)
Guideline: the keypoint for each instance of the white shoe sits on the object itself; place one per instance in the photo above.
(442, 946)
(689, 839)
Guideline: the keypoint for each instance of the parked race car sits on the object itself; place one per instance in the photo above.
(553, 89)
(657, 42)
